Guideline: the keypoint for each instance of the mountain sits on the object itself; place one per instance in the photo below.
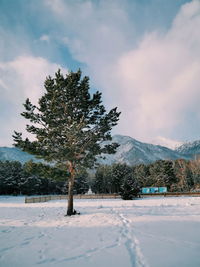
(130, 151)
(166, 142)
(191, 149)
(133, 152)
(15, 154)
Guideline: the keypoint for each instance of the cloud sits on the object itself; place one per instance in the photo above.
(44, 38)
(152, 76)
(154, 81)
(21, 78)
(160, 78)
(93, 30)
(24, 77)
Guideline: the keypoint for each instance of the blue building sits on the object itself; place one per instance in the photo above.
(150, 190)
(162, 189)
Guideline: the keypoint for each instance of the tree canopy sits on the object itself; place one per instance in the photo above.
(70, 125)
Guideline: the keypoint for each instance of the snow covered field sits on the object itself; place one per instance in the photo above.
(145, 232)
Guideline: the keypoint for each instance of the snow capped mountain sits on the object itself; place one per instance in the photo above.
(130, 151)
(190, 148)
(133, 152)
(166, 142)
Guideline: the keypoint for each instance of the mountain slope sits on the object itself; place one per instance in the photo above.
(15, 154)
(130, 151)
(190, 148)
(133, 152)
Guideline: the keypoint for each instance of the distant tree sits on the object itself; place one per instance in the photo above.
(187, 174)
(195, 168)
(98, 184)
(161, 173)
(119, 171)
(10, 177)
(69, 126)
(81, 182)
(103, 179)
(31, 185)
(108, 179)
(44, 171)
(130, 187)
(141, 173)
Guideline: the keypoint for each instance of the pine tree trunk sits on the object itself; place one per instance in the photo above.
(70, 208)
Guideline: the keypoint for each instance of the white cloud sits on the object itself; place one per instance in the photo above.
(160, 79)
(154, 80)
(21, 78)
(93, 31)
(44, 38)
(24, 77)
(156, 84)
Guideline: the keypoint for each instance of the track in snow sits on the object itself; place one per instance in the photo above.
(130, 241)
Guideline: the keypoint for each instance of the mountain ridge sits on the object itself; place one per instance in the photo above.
(133, 152)
(15, 154)
(190, 148)
(130, 151)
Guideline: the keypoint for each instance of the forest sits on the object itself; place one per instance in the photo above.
(178, 176)
(39, 179)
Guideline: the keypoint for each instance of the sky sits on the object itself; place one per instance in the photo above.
(143, 55)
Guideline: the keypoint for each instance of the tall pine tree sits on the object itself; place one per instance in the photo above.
(69, 125)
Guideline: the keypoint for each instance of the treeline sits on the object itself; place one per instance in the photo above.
(37, 179)
(179, 175)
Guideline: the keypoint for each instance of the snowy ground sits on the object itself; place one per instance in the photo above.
(145, 232)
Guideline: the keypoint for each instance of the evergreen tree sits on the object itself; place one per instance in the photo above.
(44, 171)
(10, 177)
(81, 184)
(103, 179)
(141, 173)
(31, 185)
(119, 171)
(98, 184)
(69, 126)
(129, 187)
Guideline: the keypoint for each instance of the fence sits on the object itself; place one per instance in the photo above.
(59, 197)
(107, 196)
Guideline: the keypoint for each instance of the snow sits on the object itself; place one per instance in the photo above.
(167, 142)
(143, 232)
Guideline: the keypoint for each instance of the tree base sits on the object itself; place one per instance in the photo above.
(72, 213)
